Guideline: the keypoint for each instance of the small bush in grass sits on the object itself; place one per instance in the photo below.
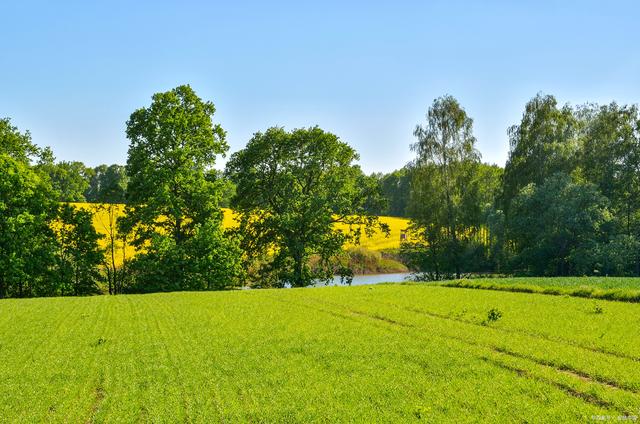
(597, 309)
(493, 315)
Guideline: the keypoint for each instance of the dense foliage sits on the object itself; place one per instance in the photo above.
(45, 248)
(396, 189)
(291, 189)
(573, 179)
(173, 196)
(108, 184)
(566, 203)
(448, 194)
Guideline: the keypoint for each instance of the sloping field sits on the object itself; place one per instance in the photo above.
(385, 353)
(625, 289)
(104, 220)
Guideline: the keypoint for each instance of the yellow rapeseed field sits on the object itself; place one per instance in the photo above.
(105, 215)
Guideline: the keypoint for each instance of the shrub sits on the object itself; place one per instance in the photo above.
(494, 315)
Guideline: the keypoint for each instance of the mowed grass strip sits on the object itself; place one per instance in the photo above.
(363, 354)
(623, 289)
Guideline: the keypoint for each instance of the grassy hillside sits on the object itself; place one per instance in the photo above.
(102, 222)
(383, 353)
(625, 289)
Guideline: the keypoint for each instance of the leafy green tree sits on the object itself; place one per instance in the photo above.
(79, 254)
(611, 159)
(27, 209)
(16, 144)
(558, 227)
(172, 193)
(209, 260)
(228, 189)
(446, 204)
(69, 179)
(107, 222)
(619, 256)
(396, 189)
(543, 143)
(108, 184)
(291, 190)
(27, 243)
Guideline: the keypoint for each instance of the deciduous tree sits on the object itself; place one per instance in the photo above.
(173, 193)
(545, 142)
(292, 188)
(445, 205)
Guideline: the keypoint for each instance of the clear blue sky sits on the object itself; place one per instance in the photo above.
(72, 72)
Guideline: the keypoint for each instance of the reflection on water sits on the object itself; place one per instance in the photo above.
(359, 280)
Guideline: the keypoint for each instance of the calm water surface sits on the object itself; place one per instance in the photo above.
(359, 280)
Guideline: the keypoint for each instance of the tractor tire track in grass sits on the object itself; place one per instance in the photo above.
(522, 332)
(311, 355)
(99, 360)
(625, 402)
(487, 350)
(618, 364)
(561, 366)
(556, 339)
(587, 397)
(97, 401)
(392, 325)
(176, 375)
(479, 351)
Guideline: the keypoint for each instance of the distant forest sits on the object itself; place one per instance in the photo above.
(567, 202)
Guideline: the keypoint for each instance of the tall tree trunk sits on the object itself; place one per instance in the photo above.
(178, 236)
(456, 258)
(110, 279)
(114, 273)
(298, 258)
(76, 282)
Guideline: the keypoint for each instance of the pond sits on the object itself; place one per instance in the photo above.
(359, 280)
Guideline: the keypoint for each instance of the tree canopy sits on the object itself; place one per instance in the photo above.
(291, 190)
(445, 204)
(542, 144)
(173, 194)
(108, 184)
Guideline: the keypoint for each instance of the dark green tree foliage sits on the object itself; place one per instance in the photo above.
(611, 160)
(173, 195)
(292, 187)
(69, 179)
(79, 254)
(15, 144)
(208, 260)
(446, 198)
(108, 184)
(559, 227)
(396, 189)
(27, 243)
(227, 188)
(34, 261)
(544, 143)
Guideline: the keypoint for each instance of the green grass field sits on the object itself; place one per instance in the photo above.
(384, 353)
(625, 289)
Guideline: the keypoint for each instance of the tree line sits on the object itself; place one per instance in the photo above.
(566, 203)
